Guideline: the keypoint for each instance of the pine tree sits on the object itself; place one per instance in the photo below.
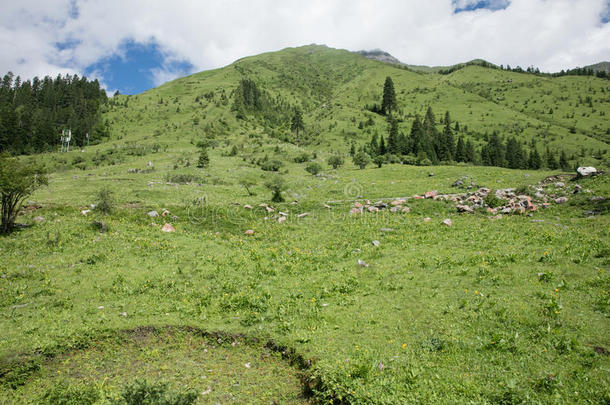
(563, 161)
(297, 124)
(204, 158)
(374, 145)
(470, 152)
(534, 162)
(460, 150)
(382, 148)
(447, 142)
(393, 137)
(388, 103)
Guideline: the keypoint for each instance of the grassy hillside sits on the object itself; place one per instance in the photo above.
(327, 305)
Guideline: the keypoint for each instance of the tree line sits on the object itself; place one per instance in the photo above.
(34, 112)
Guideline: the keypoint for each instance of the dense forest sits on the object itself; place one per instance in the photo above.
(34, 112)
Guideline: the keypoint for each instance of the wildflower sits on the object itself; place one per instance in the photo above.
(476, 292)
(404, 345)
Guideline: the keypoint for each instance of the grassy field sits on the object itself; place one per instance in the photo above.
(497, 310)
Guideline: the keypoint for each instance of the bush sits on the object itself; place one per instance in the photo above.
(379, 160)
(63, 394)
(146, 393)
(183, 178)
(335, 161)
(361, 159)
(204, 159)
(276, 184)
(313, 168)
(272, 165)
(104, 201)
(302, 158)
(492, 201)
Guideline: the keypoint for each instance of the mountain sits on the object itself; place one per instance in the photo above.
(600, 67)
(336, 90)
(381, 56)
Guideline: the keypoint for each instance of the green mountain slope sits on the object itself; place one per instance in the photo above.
(333, 87)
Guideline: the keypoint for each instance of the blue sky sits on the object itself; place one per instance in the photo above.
(136, 67)
(133, 45)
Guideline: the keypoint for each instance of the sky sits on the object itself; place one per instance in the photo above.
(134, 45)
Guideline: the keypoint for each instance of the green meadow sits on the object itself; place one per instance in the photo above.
(493, 309)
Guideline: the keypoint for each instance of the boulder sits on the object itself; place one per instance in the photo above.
(375, 243)
(362, 263)
(248, 207)
(153, 214)
(431, 194)
(561, 200)
(465, 208)
(168, 228)
(249, 232)
(281, 219)
(586, 171)
(447, 222)
(427, 219)
(85, 212)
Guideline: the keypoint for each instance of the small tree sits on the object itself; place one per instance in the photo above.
(313, 168)
(17, 181)
(361, 159)
(104, 201)
(248, 183)
(297, 124)
(388, 103)
(276, 184)
(379, 160)
(335, 161)
(204, 158)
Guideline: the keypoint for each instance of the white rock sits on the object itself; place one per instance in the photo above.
(153, 214)
(586, 171)
(447, 222)
(362, 263)
(85, 212)
(375, 243)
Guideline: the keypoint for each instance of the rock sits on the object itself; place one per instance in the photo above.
(249, 232)
(406, 210)
(269, 209)
(458, 183)
(263, 205)
(561, 200)
(492, 210)
(85, 212)
(355, 211)
(465, 208)
(427, 219)
(373, 209)
(398, 202)
(394, 209)
(375, 243)
(506, 210)
(38, 219)
(248, 207)
(168, 228)
(165, 213)
(586, 171)
(431, 194)
(284, 214)
(357, 204)
(577, 188)
(281, 219)
(430, 174)
(499, 216)
(362, 263)
(386, 230)
(303, 215)
(447, 222)
(123, 314)
(546, 205)
(153, 214)
(327, 206)
(149, 164)
(560, 184)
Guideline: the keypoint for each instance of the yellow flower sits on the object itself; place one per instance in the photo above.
(476, 292)
(404, 345)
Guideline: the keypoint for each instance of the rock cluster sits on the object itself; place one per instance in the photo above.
(397, 205)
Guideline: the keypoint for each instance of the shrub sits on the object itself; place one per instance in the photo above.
(63, 394)
(313, 168)
(335, 161)
(302, 158)
(492, 201)
(104, 201)
(361, 159)
(147, 393)
(276, 184)
(272, 165)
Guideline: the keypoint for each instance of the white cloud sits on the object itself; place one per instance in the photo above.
(549, 34)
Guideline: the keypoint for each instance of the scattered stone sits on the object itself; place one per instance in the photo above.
(387, 230)
(430, 174)
(373, 209)
(465, 208)
(38, 219)
(303, 215)
(85, 212)
(248, 206)
(354, 211)
(577, 188)
(269, 209)
(561, 200)
(431, 194)
(362, 263)
(247, 365)
(123, 314)
(249, 232)
(100, 307)
(281, 219)
(398, 202)
(447, 222)
(376, 243)
(560, 184)
(458, 183)
(165, 213)
(586, 171)
(327, 206)
(357, 204)
(284, 214)
(427, 219)
(406, 210)
(153, 214)
(149, 164)
(537, 221)
(168, 228)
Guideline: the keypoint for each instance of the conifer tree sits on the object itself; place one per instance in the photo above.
(297, 124)
(388, 103)
(460, 150)
(563, 161)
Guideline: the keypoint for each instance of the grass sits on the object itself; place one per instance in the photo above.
(510, 310)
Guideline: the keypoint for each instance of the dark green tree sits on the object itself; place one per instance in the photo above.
(379, 160)
(460, 150)
(361, 159)
(276, 185)
(204, 159)
(297, 124)
(534, 161)
(388, 103)
(382, 148)
(335, 161)
(563, 161)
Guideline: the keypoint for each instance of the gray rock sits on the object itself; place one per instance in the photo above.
(465, 208)
(375, 243)
(362, 263)
(561, 200)
(586, 171)
(447, 222)
(153, 214)
(387, 229)
(38, 219)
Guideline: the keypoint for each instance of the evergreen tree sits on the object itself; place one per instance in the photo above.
(388, 103)
(460, 150)
(551, 161)
(382, 148)
(393, 137)
(514, 154)
(563, 161)
(297, 124)
(204, 158)
(534, 161)
(446, 147)
(493, 153)
(374, 145)
(470, 152)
